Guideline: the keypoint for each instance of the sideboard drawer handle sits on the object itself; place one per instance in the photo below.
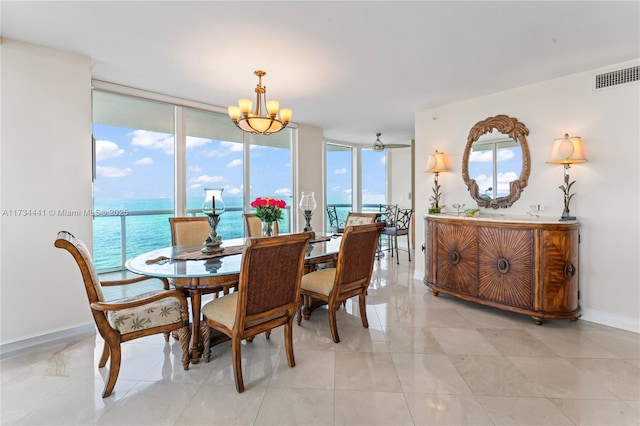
(569, 270)
(503, 265)
(454, 256)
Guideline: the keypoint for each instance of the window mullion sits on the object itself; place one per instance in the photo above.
(180, 158)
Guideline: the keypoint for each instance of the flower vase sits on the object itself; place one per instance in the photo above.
(267, 229)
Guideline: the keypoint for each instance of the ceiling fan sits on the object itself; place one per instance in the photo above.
(378, 146)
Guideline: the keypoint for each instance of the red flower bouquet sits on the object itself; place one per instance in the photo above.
(268, 209)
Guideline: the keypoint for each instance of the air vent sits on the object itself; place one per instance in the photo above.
(615, 78)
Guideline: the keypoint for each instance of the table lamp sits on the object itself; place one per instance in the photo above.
(307, 205)
(436, 164)
(567, 151)
(213, 207)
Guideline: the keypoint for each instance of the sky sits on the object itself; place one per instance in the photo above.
(509, 166)
(133, 164)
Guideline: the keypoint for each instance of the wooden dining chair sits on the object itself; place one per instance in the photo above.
(193, 231)
(189, 231)
(253, 225)
(118, 321)
(268, 296)
(350, 277)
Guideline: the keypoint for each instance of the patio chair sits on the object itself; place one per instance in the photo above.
(334, 223)
(400, 227)
(388, 214)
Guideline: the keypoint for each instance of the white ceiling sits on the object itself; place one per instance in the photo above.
(350, 68)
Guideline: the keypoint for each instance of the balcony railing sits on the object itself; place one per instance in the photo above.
(118, 237)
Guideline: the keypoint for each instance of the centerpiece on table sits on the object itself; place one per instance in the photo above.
(268, 210)
(213, 207)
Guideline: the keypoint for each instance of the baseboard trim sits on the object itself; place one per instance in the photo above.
(19, 347)
(611, 320)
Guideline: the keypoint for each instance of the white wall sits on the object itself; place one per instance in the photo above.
(399, 167)
(606, 200)
(45, 166)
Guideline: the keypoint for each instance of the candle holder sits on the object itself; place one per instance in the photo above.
(213, 207)
(307, 205)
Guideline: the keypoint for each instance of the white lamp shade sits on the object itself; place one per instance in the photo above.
(567, 150)
(436, 163)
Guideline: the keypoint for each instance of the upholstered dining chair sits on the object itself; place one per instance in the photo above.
(189, 231)
(193, 231)
(118, 321)
(253, 225)
(350, 277)
(361, 218)
(268, 296)
(400, 227)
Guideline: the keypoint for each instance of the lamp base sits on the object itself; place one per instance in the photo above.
(212, 248)
(568, 218)
(307, 218)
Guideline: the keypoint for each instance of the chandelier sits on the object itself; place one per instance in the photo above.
(264, 119)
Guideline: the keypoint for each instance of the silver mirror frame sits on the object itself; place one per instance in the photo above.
(518, 132)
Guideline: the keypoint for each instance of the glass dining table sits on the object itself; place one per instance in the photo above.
(186, 266)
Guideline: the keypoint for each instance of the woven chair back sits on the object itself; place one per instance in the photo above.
(270, 274)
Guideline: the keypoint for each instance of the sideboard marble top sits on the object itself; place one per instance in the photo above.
(507, 218)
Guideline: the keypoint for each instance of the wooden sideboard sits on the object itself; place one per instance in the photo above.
(520, 264)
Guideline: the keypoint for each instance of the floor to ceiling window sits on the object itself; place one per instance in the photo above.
(356, 179)
(134, 168)
(215, 159)
(374, 179)
(270, 171)
(143, 147)
(339, 179)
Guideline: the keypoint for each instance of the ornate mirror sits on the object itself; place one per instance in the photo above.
(496, 162)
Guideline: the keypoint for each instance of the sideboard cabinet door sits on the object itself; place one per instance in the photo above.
(457, 258)
(505, 265)
(559, 271)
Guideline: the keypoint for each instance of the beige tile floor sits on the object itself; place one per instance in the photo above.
(424, 360)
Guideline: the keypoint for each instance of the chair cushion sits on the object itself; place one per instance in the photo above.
(154, 314)
(222, 309)
(320, 281)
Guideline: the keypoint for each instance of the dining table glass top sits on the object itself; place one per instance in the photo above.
(162, 263)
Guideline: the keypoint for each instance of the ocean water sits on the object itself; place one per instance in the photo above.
(146, 232)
